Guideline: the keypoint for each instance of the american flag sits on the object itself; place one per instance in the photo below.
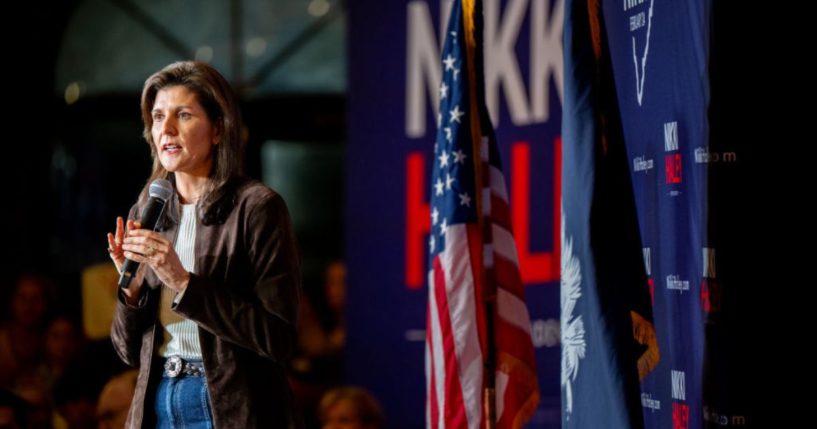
(478, 328)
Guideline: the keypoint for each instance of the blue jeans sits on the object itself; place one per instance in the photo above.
(183, 402)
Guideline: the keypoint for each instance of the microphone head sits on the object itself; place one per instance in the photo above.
(161, 189)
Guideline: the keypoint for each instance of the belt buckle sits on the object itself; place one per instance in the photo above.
(174, 366)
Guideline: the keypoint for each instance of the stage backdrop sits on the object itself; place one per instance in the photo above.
(643, 169)
(682, 177)
(394, 77)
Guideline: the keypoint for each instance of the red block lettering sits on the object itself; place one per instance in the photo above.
(542, 266)
(672, 168)
(680, 416)
(418, 220)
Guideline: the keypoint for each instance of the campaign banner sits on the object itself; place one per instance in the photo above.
(395, 73)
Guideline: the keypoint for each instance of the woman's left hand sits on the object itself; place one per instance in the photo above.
(149, 247)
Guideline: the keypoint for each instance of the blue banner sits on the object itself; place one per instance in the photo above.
(638, 91)
(659, 53)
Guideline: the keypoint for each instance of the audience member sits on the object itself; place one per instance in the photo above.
(21, 336)
(350, 408)
(115, 399)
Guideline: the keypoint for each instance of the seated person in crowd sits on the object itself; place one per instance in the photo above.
(115, 399)
(350, 408)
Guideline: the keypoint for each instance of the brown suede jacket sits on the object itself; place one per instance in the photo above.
(244, 298)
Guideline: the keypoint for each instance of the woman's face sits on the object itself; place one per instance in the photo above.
(182, 133)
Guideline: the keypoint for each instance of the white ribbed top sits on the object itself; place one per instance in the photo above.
(181, 336)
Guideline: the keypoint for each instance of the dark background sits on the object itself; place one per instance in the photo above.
(71, 169)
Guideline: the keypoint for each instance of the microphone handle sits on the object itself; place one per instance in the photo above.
(150, 219)
(128, 270)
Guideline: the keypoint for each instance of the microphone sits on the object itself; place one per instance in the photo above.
(160, 191)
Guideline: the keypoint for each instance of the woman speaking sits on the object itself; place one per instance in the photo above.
(209, 316)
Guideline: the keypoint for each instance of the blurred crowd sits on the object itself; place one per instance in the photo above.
(58, 369)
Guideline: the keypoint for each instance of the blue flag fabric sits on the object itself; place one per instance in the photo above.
(607, 332)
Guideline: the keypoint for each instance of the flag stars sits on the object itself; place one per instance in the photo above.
(443, 226)
(465, 200)
(439, 186)
(449, 180)
(435, 216)
(449, 62)
(443, 90)
(456, 72)
(444, 159)
(432, 243)
(448, 135)
(439, 119)
(459, 157)
(456, 114)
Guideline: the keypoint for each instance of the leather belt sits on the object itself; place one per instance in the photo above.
(175, 366)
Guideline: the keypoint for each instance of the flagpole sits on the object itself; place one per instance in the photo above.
(489, 395)
(472, 20)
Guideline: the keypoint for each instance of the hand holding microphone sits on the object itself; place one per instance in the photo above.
(132, 245)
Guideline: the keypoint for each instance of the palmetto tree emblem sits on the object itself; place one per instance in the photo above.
(573, 344)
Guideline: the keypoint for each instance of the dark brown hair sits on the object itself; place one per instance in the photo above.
(216, 96)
